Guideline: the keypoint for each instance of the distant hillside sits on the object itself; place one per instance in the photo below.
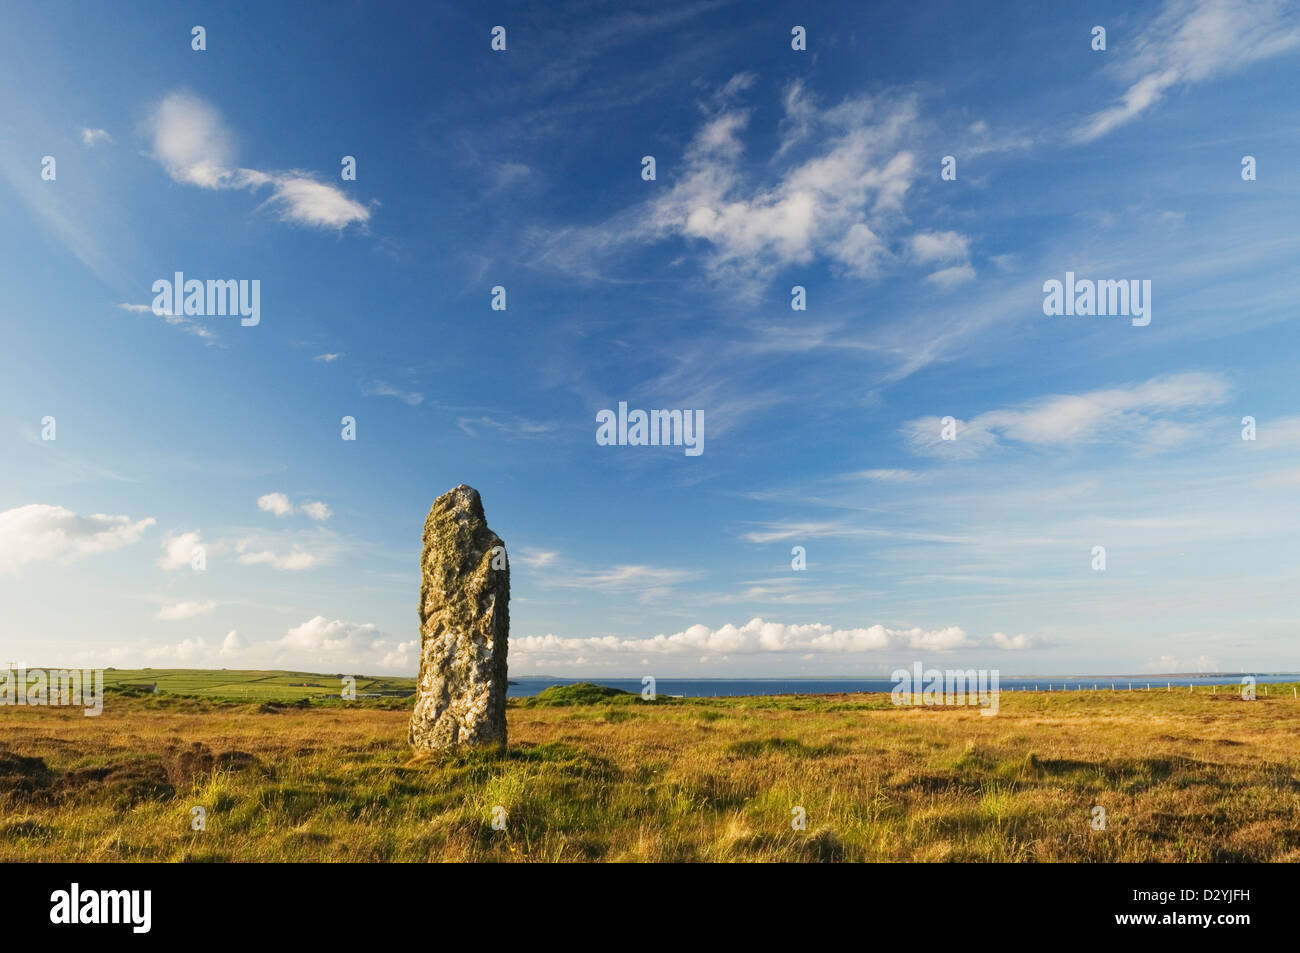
(249, 685)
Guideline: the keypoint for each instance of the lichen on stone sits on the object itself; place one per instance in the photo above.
(464, 629)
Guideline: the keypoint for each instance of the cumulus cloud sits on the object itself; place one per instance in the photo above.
(754, 637)
(317, 510)
(192, 142)
(1131, 412)
(1014, 643)
(281, 505)
(179, 550)
(317, 645)
(335, 644)
(42, 533)
(1191, 41)
(185, 610)
(276, 503)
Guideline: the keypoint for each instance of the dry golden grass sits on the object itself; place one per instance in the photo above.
(1181, 777)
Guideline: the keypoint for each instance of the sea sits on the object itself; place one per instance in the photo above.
(524, 686)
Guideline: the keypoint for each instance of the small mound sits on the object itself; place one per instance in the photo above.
(23, 777)
(125, 782)
(274, 708)
(583, 693)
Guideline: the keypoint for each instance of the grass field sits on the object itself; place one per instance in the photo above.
(248, 685)
(1182, 777)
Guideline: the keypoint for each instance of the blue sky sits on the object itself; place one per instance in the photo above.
(775, 168)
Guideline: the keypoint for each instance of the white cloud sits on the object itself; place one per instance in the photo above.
(191, 141)
(1192, 41)
(382, 389)
(951, 277)
(1177, 665)
(231, 645)
(295, 560)
(287, 550)
(327, 358)
(884, 475)
(830, 204)
(179, 548)
(93, 137)
(276, 503)
(939, 246)
(42, 533)
(305, 201)
(1013, 643)
(317, 510)
(335, 644)
(1128, 412)
(618, 578)
(517, 427)
(779, 531)
(193, 144)
(176, 321)
(281, 505)
(833, 189)
(318, 645)
(185, 610)
(755, 637)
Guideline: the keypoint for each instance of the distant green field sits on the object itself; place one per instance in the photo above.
(248, 685)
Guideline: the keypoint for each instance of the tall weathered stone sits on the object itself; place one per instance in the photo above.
(464, 627)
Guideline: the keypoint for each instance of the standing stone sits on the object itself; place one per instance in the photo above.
(464, 627)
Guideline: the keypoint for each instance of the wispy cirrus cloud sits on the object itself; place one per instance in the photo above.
(384, 389)
(191, 141)
(93, 137)
(513, 427)
(1134, 412)
(175, 320)
(1191, 41)
(833, 190)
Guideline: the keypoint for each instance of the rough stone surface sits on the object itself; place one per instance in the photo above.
(464, 627)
